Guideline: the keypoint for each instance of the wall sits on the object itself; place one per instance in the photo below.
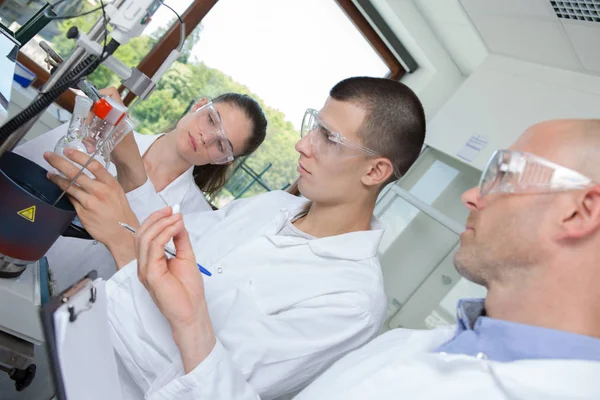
(503, 97)
(438, 76)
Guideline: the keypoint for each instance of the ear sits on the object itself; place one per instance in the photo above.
(583, 218)
(200, 103)
(380, 171)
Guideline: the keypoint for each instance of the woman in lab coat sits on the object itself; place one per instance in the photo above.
(295, 283)
(181, 169)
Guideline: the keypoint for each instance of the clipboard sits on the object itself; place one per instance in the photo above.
(78, 340)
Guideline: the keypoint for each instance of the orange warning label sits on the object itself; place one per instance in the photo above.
(28, 214)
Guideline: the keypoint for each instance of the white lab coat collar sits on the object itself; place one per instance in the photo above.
(176, 191)
(179, 189)
(354, 246)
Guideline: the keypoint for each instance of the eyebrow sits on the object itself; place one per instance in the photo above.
(320, 121)
(221, 119)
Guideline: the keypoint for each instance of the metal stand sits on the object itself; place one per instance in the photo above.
(22, 377)
(9, 270)
(16, 359)
(11, 267)
(96, 33)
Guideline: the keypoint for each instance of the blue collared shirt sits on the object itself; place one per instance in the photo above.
(499, 340)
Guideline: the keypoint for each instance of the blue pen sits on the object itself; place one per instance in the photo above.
(168, 250)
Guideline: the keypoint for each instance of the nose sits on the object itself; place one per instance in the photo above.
(472, 199)
(202, 138)
(304, 147)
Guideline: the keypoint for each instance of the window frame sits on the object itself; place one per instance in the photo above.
(397, 70)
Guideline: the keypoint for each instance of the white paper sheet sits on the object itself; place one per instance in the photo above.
(85, 351)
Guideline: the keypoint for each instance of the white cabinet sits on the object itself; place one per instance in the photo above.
(424, 218)
(20, 299)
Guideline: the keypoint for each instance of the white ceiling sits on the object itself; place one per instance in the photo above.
(530, 30)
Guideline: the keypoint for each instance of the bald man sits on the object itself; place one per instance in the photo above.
(533, 240)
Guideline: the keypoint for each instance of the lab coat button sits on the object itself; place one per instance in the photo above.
(481, 356)
(95, 242)
(219, 270)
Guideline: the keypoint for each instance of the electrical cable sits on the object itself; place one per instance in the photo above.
(181, 27)
(72, 16)
(49, 97)
(56, 4)
(174, 12)
(103, 55)
(44, 101)
(64, 17)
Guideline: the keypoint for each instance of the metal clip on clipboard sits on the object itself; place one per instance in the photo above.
(79, 345)
(73, 313)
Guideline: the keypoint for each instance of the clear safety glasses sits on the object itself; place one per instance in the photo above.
(326, 143)
(213, 135)
(515, 172)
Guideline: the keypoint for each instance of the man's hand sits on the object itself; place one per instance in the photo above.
(100, 203)
(176, 284)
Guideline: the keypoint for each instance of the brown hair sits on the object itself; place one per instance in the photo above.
(210, 177)
(394, 125)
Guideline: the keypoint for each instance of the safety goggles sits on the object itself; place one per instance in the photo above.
(213, 136)
(516, 172)
(326, 143)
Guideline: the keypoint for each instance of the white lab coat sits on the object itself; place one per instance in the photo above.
(400, 364)
(283, 308)
(70, 258)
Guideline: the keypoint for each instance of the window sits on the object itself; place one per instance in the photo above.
(18, 11)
